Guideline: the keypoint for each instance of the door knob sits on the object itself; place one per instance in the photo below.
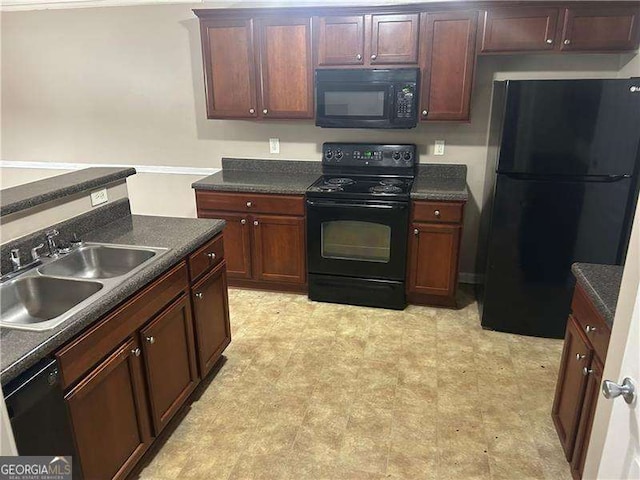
(249, 204)
(634, 89)
(549, 41)
(424, 113)
(437, 213)
(265, 111)
(567, 42)
(416, 231)
(358, 57)
(255, 222)
(580, 356)
(252, 111)
(136, 352)
(589, 329)
(151, 340)
(612, 390)
(211, 255)
(199, 295)
(374, 56)
(243, 221)
(587, 371)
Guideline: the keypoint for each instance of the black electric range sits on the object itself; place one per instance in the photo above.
(357, 223)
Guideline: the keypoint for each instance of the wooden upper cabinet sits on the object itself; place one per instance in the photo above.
(519, 29)
(447, 60)
(286, 63)
(229, 68)
(340, 40)
(394, 39)
(600, 29)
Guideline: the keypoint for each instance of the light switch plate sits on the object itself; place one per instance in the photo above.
(99, 197)
(439, 148)
(274, 145)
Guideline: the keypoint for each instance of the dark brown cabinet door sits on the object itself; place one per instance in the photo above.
(448, 60)
(592, 393)
(433, 259)
(567, 404)
(341, 40)
(211, 315)
(229, 66)
(109, 415)
(394, 39)
(519, 29)
(237, 242)
(169, 354)
(600, 29)
(286, 67)
(279, 249)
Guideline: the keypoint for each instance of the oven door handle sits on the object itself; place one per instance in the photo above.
(399, 206)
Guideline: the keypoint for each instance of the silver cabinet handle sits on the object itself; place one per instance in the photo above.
(586, 371)
(265, 111)
(136, 352)
(590, 329)
(416, 231)
(249, 204)
(373, 56)
(211, 255)
(424, 113)
(358, 57)
(243, 221)
(151, 340)
(612, 390)
(199, 295)
(580, 356)
(252, 111)
(255, 222)
(549, 41)
(567, 42)
(436, 213)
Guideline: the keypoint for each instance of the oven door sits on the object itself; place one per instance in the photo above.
(357, 238)
(354, 104)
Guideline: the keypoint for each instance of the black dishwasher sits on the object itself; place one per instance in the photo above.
(39, 417)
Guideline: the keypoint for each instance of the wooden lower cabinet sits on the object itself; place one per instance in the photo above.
(211, 316)
(109, 415)
(237, 243)
(169, 356)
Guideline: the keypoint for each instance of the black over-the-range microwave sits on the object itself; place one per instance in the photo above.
(367, 98)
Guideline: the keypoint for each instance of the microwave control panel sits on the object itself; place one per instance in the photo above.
(405, 101)
(369, 155)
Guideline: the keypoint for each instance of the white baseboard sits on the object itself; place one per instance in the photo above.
(139, 168)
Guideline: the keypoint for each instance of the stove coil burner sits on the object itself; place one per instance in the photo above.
(392, 182)
(385, 189)
(330, 188)
(340, 181)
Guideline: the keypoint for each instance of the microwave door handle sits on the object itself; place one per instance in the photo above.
(391, 113)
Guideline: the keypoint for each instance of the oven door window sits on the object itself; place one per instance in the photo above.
(356, 240)
(366, 102)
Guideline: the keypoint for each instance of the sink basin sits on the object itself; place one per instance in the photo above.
(35, 302)
(98, 261)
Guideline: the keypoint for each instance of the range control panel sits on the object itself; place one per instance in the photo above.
(369, 155)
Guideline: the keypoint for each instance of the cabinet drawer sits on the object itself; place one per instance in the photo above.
(248, 202)
(85, 351)
(449, 212)
(588, 316)
(207, 256)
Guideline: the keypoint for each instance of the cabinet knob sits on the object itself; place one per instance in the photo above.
(373, 56)
(613, 390)
(211, 255)
(151, 340)
(249, 204)
(136, 352)
(358, 57)
(424, 113)
(549, 41)
(255, 222)
(199, 295)
(580, 356)
(243, 221)
(567, 42)
(634, 89)
(252, 111)
(436, 213)
(587, 371)
(590, 329)
(416, 231)
(265, 111)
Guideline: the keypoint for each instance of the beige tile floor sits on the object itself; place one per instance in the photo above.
(322, 391)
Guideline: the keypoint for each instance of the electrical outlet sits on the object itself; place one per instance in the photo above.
(439, 148)
(99, 197)
(274, 145)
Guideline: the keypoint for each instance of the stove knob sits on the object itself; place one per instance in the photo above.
(328, 155)
(407, 156)
(338, 154)
(396, 156)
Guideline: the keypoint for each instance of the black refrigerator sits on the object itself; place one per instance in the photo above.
(564, 191)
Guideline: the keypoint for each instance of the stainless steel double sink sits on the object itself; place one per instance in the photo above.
(47, 295)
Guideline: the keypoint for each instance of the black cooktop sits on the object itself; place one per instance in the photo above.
(376, 187)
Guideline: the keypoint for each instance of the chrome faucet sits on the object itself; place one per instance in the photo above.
(15, 259)
(51, 242)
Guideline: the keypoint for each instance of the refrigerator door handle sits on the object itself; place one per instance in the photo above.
(566, 178)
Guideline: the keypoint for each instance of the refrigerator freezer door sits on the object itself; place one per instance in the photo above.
(570, 127)
(538, 229)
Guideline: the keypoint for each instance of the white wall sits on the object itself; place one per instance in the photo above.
(125, 85)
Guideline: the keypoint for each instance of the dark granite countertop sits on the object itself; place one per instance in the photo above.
(441, 182)
(262, 176)
(29, 195)
(20, 349)
(602, 284)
